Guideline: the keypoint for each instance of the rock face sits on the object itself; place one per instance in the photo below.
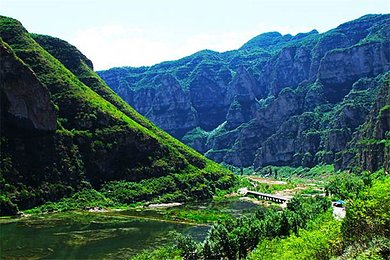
(170, 106)
(370, 147)
(25, 102)
(250, 106)
(340, 68)
(287, 69)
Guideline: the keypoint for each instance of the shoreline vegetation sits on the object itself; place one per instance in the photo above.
(105, 199)
(306, 222)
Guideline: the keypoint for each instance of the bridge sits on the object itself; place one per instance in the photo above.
(264, 196)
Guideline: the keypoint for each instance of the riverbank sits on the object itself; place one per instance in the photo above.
(202, 212)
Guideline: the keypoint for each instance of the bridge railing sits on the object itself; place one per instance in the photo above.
(265, 196)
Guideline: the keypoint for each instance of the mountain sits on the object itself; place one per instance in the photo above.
(63, 129)
(278, 100)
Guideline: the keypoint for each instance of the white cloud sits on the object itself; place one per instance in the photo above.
(116, 45)
(217, 42)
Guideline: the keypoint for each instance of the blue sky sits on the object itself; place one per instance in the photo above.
(145, 32)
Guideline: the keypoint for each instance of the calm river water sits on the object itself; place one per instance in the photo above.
(82, 235)
(94, 235)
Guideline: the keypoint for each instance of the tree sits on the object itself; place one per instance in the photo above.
(368, 215)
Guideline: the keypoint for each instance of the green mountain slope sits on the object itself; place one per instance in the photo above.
(90, 137)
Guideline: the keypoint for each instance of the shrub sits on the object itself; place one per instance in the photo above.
(233, 238)
(7, 207)
(369, 214)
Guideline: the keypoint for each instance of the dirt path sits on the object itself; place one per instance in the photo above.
(265, 180)
(289, 193)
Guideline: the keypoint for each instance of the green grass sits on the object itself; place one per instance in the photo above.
(197, 215)
(195, 134)
(272, 188)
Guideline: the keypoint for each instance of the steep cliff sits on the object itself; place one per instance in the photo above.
(370, 147)
(240, 106)
(63, 129)
(25, 101)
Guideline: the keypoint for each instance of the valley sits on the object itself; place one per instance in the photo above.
(269, 137)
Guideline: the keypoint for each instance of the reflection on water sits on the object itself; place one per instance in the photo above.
(97, 235)
(84, 235)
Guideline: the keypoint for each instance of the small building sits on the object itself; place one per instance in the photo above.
(339, 203)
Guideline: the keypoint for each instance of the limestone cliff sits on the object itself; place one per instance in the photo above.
(238, 102)
(370, 147)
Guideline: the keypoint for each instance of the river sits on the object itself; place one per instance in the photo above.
(97, 235)
(84, 235)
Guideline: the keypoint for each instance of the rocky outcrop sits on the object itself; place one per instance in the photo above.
(339, 69)
(25, 101)
(370, 148)
(266, 40)
(170, 106)
(315, 137)
(245, 140)
(289, 68)
(296, 138)
(241, 99)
